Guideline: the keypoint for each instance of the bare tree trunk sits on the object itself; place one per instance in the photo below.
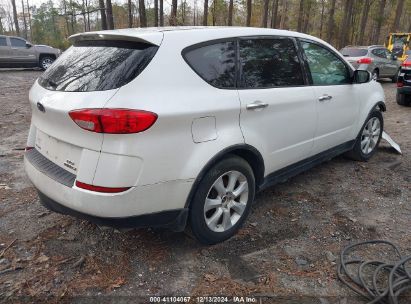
(29, 15)
(398, 13)
(213, 11)
(103, 14)
(1, 26)
(161, 13)
(173, 14)
(322, 17)
(230, 12)
(155, 12)
(130, 14)
(183, 12)
(24, 19)
(307, 16)
(205, 15)
(300, 16)
(330, 27)
(16, 20)
(364, 19)
(274, 14)
(88, 15)
(264, 17)
(142, 13)
(83, 12)
(109, 11)
(283, 14)
(380, 19)
(249, 8)
(345, 24)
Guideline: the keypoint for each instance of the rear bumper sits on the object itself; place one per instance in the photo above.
(160, 204)
(173, 219)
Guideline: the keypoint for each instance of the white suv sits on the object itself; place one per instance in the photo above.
(158, 127)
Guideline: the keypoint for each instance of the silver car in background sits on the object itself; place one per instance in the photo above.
(375, 58)
(16, 52)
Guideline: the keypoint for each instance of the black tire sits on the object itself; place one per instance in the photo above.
(403, 100)
(357, 153)
(199, 228)
(45, 62)
(375, 75)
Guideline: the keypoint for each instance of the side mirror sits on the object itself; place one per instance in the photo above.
(361, 76)
(28, 45)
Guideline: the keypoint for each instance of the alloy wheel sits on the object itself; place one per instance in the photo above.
(226, 201)
(46, 63)
(370, 135)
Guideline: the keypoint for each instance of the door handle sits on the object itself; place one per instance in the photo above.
(325, 97)
(256, 105)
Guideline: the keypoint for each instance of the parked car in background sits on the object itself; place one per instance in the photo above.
(376, 59)
(167, 126)
(404, 83)
(15, 52)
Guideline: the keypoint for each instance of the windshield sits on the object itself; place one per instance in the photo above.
(354, 52)
(97, 66)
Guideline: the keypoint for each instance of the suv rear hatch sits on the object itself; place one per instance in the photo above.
(354, 54)
(86, 76)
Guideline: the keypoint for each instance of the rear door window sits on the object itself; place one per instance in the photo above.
(353, 52)
(17, 43)
(215, 63)
(271, 62)
(3, 41)
(97, 66)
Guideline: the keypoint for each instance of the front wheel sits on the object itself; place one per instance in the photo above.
(46, 62)
(368, 138)
(222, 201)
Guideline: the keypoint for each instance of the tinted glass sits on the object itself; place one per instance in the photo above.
(3, 41)
(214, 63)
(97, 66)
(269, 63)
(354, 52)
(325, 67)
(17, 43)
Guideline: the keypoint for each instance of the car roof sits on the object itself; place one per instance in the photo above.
(364, 46)
(187, 34)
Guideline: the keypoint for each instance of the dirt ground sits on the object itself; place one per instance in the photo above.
(285, 253)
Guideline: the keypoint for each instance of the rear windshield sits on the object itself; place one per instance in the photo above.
(97, 66)
(354, 52)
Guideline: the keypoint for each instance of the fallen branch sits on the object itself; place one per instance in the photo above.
(10, 270)
(5, 249)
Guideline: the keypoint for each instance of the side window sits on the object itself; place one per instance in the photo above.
(15, 42)
(3, 41)
(379, 53)
(267, 63)
(215, 63)
(325, 67)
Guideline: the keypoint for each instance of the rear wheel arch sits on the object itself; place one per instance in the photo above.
(42, 55)
(250, 154)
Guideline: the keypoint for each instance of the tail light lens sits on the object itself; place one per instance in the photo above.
(100, 189)
(113, 121)
(365, 60)
(400, 84)
(406, 64)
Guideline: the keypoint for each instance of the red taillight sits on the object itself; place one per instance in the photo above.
(113, 121)
(100, 189)
(400, 84)
(28, 148)
(366, 60)
(406, 64)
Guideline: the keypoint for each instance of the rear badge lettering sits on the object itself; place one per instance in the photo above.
(69, 164)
